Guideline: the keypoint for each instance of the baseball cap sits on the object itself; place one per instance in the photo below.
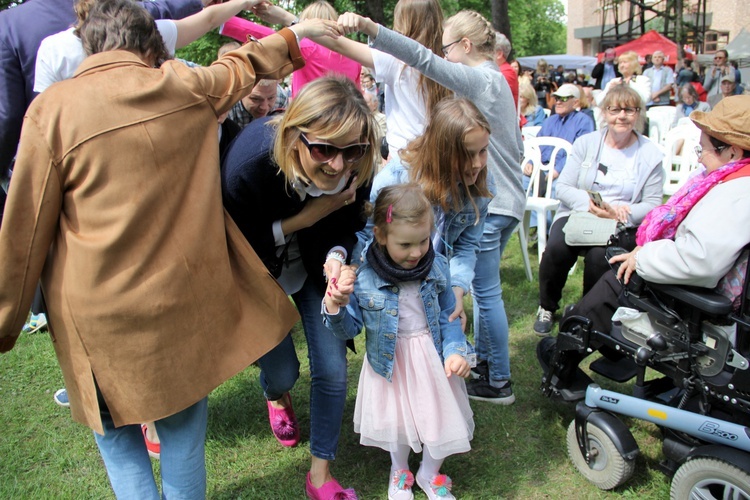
(569, 90)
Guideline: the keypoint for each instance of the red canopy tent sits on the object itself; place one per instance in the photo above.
(648, 44)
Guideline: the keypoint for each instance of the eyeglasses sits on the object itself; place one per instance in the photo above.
(718, 57)
(699, 150)
(447, 48)
(564, 98)
(614, 110)
(323, 152)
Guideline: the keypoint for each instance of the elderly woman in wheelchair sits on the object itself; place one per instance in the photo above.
(678, 304)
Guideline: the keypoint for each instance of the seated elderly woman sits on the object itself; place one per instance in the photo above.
(613, 173)
(680, 242)
(689, 102)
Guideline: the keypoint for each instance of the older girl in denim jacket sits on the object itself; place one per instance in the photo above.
(411, 394)
(449, 162)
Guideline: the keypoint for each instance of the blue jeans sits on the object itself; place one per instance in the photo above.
(490, 320)
(183, 463)
(327, 355)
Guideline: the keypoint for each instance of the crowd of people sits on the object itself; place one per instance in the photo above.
(161, 213)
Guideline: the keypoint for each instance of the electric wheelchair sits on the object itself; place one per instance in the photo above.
(692, 379)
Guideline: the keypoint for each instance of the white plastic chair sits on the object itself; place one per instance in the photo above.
(536, 201)
(679, 156)
(660, 120)
(530, 131)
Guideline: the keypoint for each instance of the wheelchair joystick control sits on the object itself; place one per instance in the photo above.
(643, 356)
(657, 342)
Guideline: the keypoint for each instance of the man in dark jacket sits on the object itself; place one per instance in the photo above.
(605, 70)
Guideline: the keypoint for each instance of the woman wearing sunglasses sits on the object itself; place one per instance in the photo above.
(296, 185)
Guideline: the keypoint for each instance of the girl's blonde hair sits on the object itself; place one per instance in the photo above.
(422, 21)
(526, 90)
(631, 56)
(329, 107)
(402, 202)
(472, 25)
(319, 10)
(438, 158)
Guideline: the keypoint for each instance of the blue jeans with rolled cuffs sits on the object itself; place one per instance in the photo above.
(182, 463)
(327, 355)
(490, 321)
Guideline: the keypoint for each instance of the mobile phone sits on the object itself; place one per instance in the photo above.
(596, 198)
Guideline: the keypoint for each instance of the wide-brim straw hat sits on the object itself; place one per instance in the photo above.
(729, 121)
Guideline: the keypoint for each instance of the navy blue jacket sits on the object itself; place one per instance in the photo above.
(22, 29)
(256, 195)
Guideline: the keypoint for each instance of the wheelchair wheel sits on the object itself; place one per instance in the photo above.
(607, 468)
(708, 478)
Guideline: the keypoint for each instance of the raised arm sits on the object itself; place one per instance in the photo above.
(356, 51)
(193, 27)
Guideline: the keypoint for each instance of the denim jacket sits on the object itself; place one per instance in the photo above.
(374, 304)
(461, 231)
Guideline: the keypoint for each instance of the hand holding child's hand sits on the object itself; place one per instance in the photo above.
(339, 289)
(457, 364)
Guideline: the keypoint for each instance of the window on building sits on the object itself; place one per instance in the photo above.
(715, 40)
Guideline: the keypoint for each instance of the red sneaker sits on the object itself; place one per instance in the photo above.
(154, 449)
(284, 423)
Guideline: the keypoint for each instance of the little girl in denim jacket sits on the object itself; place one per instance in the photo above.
(411, 392)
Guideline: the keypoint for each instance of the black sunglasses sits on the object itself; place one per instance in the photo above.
(323, 152)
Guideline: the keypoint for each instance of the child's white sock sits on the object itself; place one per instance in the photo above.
(400, 458)
(430, 466)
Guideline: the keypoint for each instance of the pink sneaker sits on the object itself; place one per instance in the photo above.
(331, 490)
(284, 423)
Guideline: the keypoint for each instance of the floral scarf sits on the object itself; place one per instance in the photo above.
(661, 222)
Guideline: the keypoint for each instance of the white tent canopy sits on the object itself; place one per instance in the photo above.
(568, 62)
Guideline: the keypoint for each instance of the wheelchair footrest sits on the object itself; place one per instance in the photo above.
(575, 390)
(621, 370)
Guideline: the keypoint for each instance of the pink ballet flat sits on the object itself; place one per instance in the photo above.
(331, 490)
(284, 423)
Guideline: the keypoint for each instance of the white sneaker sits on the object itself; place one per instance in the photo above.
(399, 487)
(437, 488)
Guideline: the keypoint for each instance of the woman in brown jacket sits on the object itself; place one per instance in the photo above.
(154, 296)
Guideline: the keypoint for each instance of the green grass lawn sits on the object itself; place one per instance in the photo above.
(518, 451)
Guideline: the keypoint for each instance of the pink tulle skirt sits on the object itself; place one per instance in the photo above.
(421, 406)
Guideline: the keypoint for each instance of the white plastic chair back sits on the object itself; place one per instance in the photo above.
(679, 156)
(530, 131)
(660, 120)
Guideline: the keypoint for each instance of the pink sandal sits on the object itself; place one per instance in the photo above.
(331, 490)
(284, 423)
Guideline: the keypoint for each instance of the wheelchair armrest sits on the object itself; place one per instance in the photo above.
(704, 299)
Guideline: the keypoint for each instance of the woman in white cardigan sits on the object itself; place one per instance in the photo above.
(630, 68)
